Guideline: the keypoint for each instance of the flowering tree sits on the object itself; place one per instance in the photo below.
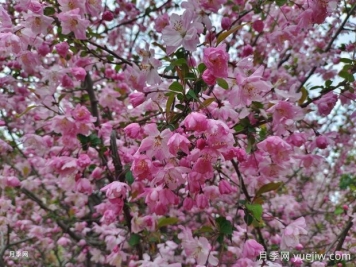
(151, 133)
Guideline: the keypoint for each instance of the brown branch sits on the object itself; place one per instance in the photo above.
(330, 89)
(111, 53)
(329, 46)
(342, 236)
(248, 198)
(120, 175)
(88, 86)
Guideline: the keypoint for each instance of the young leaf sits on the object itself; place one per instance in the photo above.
(134, 240)
(222, 83)
(225, 226)
(165, 221)
(267, 188)
(224, 35)
(176, 87)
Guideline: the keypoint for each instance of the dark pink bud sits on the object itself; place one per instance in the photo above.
(43, 49)
(201, 143)
(108, 16)
(258, 25)
(321, 142)
(225, 23)
(62, 49)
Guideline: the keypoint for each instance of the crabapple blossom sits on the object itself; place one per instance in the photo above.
(182, 31)
(176, 133)
(71, 21)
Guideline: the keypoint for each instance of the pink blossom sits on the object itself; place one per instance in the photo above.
(109, 217)
(35, 7)
(133, 130)
(212, 5)
(93, 7)
(43, 49)
(321, 142)
(225, 23)
(202, 201)
(178, 142)
(79, 73)
(208, 77)
(83, 160)
(97, 173)
(188, 203)
(290, 235)
(276, 147)
(197, 248)
(38, 23)
(251, 88)
(161, 22)
(182, 31)
(63, 241)
(82, 114)
(216, 60)
(64, 125)
(141, 167)
(326, 103)
(69, 5)
(62, 49)
(225, 187)
(137, 98)
(84, 186)
(115, 190)
(252, 249)
(107, 15)
(258, 26)
(71, 21)
(12, 181)
(195, 122)
(155, 144)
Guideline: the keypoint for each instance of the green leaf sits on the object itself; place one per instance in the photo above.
(281, 2)
(328, 83)
(176, 87)
(49, 11)
(258, 105)
(165, 221)
(222, 36)
(248, 218)
(304, 96)
(129, 177)
(345, 181)
(239, 128)
(250, 142)
(339, 210)
(83, 54)
(180, 106)
(222, 83)
(201, 67)
(94, 140)
(25, 111)
(267, 188)
(346, 60)
(134, 240)
(179, 62)
(225, 226)
(169, 105)
(263, 133)
(189, 76)
(204, 229)
(207, 102)
(192, 94)
(344, 73)
(256, 210)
